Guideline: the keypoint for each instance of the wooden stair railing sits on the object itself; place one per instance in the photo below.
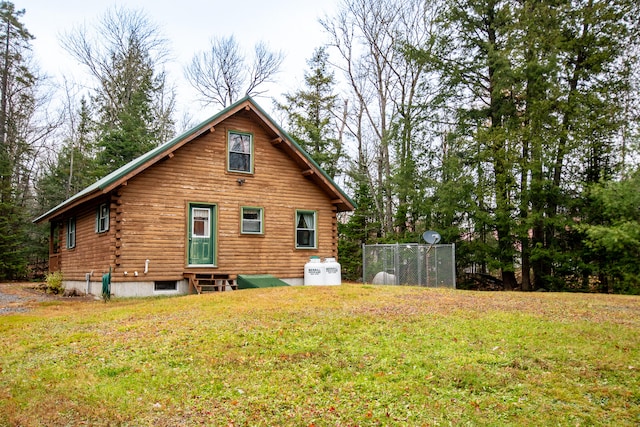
(211, 282)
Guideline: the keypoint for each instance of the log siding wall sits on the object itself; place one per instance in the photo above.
(149, 215)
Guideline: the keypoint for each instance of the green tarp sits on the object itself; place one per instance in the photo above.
(106, 285)
(258, 281)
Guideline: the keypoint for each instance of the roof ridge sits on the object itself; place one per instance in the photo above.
(161, 150)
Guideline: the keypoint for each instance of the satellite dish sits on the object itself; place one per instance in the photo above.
(431, 237)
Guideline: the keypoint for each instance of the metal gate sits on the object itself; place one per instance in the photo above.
(409, 264)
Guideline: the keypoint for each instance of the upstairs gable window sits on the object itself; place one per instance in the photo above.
(240, 152)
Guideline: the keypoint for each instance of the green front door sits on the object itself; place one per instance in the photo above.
(201, 235)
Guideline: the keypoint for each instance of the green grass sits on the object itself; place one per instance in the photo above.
(325, 356)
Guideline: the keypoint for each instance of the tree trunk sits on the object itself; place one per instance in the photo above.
(499, 151)
(5, 160)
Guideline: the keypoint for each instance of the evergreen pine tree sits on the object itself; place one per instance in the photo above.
(310, 112)
(132, 115)
(16, 102)
(74, 166)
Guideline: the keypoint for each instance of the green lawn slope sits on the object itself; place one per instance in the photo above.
(351, 355)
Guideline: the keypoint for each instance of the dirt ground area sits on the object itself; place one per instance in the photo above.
(19, 297)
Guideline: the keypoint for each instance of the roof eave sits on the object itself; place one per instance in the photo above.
(126, 172)
(121, 175)
(67, 205)
(320, 176)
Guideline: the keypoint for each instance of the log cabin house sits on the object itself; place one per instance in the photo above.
(233, 196)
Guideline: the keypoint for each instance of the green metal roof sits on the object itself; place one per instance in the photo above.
(109, 180)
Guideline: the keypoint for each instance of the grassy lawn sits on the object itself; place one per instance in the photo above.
(348, 355)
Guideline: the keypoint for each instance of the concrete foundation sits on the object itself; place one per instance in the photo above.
(127, 289)
(143, 289)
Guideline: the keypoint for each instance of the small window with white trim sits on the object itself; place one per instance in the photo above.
(252, 220)
(71, 233)
(102, 218)
(305, 230)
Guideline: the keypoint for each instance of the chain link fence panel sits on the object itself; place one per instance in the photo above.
(409, 264)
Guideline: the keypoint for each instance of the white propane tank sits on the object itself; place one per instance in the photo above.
(314, 272)
(332, 273)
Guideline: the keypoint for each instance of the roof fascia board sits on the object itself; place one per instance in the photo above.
(299, 151)
(122, 174)
(126, 172)
(60, 209)
(173, 145)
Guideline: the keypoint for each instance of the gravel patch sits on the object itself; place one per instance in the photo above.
(8, 298)
(10, 310)
(15, 297)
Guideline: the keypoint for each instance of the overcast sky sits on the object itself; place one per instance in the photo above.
(287, 25)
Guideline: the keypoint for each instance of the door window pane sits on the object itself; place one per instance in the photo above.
(200, 222)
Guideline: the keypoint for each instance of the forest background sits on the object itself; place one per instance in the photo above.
(509, 126)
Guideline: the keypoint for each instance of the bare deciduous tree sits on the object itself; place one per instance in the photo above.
(220, 74)
(122, 37)
(371, 39)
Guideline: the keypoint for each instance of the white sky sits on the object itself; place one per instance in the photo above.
(287, 25)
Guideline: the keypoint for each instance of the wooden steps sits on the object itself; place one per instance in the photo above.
(211, 282)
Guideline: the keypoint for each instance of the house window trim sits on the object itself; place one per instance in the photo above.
(71, 232)
(251, 152)
(260, 221)
(100, 217)
(315, 229)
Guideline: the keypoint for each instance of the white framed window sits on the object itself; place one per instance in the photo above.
(306, 229)
(252, 220)
(71, 233)
(102, 218)
(240, 152)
